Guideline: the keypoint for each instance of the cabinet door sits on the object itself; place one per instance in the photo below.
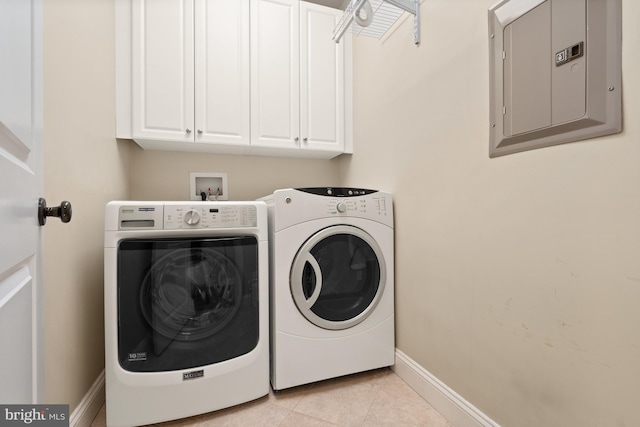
(222, 95)
(162, 70)
(275, 75)
(321, 79)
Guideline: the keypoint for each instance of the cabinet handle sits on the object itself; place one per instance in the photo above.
(188, 131)
(297, 139)
(304, 140)
(199, 131)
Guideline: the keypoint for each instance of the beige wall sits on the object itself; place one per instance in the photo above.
(85, 165)
(517, 278)
(164, 175)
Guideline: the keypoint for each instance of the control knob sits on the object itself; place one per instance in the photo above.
(341, 207)
(191, 217)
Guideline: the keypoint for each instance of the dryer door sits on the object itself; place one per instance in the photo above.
(338, 277)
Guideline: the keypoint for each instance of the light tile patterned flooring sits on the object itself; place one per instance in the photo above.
(372, 399)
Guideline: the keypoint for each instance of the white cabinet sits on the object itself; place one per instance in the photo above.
(297, 78)
(162, 70)
(232, 76)
(222, 94)
(189, 73)
(322, 79)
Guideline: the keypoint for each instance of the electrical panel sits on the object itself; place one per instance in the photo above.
(555, 72)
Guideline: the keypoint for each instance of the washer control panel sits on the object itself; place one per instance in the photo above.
(209, 215)
(173, 216)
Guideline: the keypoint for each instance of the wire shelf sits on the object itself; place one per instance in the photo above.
(385, 15)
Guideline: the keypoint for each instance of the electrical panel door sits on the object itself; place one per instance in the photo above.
(555, 72)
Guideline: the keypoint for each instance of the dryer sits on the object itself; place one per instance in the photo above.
(186, 308)
(331, 283)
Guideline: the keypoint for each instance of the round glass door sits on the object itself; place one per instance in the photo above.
(186, 302)
(338, 277)
(191, 293)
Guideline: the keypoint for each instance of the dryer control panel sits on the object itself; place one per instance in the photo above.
(341, 200)
(337, 191)
(293, 206)
(362, 206)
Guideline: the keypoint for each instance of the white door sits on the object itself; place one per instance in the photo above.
(20, 187)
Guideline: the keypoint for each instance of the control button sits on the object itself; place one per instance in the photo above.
(191, 217)
(329, 191)
(341, 207)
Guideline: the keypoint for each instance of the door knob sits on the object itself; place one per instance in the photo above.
(63, 211)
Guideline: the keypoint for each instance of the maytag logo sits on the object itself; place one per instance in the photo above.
(193, 375)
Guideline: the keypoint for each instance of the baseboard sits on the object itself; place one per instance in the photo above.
(90, 405)
(447, 402)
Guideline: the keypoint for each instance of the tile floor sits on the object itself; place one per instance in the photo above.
(375, 398)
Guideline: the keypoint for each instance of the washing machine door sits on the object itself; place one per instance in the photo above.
(338, 277)
(186, 302)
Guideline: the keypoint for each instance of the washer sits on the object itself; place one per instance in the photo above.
(186, 308)
(332, 283)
